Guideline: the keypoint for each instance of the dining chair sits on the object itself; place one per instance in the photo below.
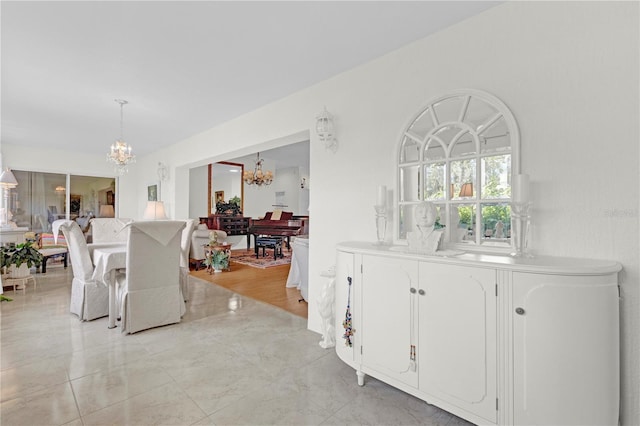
(151, 295)
(89, 300)
(185, 246)
(108, 230)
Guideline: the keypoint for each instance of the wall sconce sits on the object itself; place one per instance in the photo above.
(326, 130)
(163, 171)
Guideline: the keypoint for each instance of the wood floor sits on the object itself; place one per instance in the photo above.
(266, 285)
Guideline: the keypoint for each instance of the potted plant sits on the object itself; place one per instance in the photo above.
(218, 260)
(20, 258)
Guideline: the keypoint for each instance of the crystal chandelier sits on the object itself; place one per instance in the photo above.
(257, 176)
(120, 154)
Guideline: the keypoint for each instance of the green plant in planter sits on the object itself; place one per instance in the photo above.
(5, 255)
(218, 260)
(21, 253)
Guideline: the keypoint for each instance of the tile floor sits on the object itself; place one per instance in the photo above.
(232, 360)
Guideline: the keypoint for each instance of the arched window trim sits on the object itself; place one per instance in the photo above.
(449, 157)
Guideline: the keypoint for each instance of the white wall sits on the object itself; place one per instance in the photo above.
(198, 188)
(568, 71)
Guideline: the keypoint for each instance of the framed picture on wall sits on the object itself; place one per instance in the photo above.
(153, 192)
(75, 204)
(219, 197)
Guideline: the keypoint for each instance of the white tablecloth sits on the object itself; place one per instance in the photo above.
(106, 261)
(299, 271)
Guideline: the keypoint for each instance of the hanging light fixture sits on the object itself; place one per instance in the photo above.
(120, 154)
(257, 176)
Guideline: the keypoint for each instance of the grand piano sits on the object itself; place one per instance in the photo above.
(280, 224)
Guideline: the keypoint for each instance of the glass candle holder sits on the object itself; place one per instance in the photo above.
(381, 224)
(520, 223)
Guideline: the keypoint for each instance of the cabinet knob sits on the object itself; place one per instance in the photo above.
(412, 290)
(421, 292)
(519, 311)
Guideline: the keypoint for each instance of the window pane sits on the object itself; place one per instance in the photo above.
(448, 134)
(465, 146)
(434, 181)
(434, 151)
(422, 125)
(463, 179)
(495, 177)
(450, 109)
(409, 181)
(38, 200)
(410, 151)
(406, 220)
(462, 223)
(479, 113)
(89, 194)
(496, 223)
(496, 138)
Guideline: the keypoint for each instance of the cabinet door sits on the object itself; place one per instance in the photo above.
(458, 348)
(389, 320)
(345, 295)
(566, 350)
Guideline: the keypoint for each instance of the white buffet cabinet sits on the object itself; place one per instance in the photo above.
(13, 235)
(491, 339)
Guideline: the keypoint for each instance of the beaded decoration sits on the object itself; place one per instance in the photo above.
(348, 327)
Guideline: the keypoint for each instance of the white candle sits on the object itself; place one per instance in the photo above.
(382, 196)
(520, 188)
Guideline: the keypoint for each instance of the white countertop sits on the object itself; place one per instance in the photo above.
(537, 264)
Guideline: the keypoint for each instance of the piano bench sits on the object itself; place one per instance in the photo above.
(274, 243)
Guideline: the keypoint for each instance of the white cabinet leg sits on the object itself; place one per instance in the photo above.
(360, 375)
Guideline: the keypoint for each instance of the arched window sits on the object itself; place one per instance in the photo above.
(460, 152)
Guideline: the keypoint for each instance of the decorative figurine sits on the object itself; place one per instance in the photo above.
(425, 216)
(499, 230)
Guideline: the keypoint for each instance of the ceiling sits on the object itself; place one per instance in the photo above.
(184, 67)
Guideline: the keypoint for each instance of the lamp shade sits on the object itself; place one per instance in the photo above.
(466, 190)
(106, 210)
(154, 211)
(7, 179)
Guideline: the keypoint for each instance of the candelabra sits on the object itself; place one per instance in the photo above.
(520, 222)
(381, 223)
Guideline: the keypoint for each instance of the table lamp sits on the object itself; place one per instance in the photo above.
(7, 181)
(154, 211)
(106, 210)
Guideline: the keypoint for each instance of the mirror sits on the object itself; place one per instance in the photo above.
(459, 153)
(225, 185)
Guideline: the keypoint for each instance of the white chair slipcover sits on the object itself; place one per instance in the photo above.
(109, 230)
(185, 246)
(89, 300)
(299, 271)
(151, 295)
(200, 237)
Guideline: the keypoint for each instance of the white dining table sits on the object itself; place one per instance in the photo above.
(106, 261)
